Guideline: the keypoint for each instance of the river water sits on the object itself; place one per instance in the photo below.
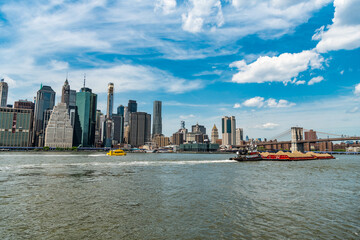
(176, 196)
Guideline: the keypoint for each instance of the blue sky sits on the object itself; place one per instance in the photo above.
(271, 64)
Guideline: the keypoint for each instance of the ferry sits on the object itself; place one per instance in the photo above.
(117, 152)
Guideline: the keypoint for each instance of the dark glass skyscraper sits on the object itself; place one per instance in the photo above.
(120, 110)
(132, 106)
(140, 124)
(157, 120)
(86, 103)
(45, 100)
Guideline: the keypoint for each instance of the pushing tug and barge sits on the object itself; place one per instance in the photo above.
(251, 154)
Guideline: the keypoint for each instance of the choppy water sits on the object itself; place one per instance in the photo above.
(176, 196)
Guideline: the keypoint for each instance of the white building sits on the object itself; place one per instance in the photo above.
(59, 132)
(239, 135)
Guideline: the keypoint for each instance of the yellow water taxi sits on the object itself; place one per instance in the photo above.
(117, 152)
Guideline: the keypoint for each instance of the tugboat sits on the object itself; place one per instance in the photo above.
(117, 152)
(248, 154)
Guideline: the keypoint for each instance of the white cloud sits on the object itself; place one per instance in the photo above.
(300, 82)
(237, 105)
(254, 102)
(315, 80)
(272, 103)
(344, 33)
(283, 68)
(166, 6)
(267, 126)
(58, 65)
(185, 117)
(201, 12)
(357, 89)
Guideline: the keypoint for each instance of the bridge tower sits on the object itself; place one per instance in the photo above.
(297, 134)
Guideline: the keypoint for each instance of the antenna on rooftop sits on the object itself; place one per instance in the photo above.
(84, 79)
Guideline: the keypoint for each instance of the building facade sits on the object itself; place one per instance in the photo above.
(109, 113)
(228, 130)
(59, 132)
(214, 134)
(198, 129)
(15, 127)
(161, 141)
(178, 138)
(86, 103)
(140, 128)
(24, 104)
(132, 106)
(157, 120)
(3, 93)
(239, 136)
(45, 100)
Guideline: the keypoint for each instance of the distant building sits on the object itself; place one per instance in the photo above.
(140, 128)
(98, 128)
(86, 103)
(183, 130)
(109, 121)
(228, 130)
(310, 135)
(65, 93)
(214, 134)
(118, 128)
(219, 141)
(157, 120)
(45, 100)
(132, 106)
(161, 141)
(127, 134)
(239, 136)
(178, 138)
(121, 110)
(59, 132)
(24, 104)
(199, 147)
(15, 127)
(3, 93)
(198, 129)
(126, 116)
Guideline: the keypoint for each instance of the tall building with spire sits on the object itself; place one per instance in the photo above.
(157, 120)
(109, 112)
(3, 93)
(214, 134)
(86, 103)
(65, 93)
(228, 130)
(44, 103)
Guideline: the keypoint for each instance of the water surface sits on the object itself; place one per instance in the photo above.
(176, 196)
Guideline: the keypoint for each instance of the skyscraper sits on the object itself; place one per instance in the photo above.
(86, 103)
(228, 130)
(3, 93)
(239, 136)
(157, 120)
(65, 93)
(140, 128)
(198, 129)
(59, 132)
(120, 110)
(45, 100)
(109, 112)
(214, 134)
(132, 106)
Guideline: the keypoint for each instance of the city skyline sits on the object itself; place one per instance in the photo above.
(297, 67)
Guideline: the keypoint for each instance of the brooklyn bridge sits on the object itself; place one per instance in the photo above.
(299, 142)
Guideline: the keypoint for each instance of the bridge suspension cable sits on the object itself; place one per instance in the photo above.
(331, 134)
(283, 134)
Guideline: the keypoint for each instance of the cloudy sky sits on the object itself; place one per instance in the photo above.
(271, 64)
